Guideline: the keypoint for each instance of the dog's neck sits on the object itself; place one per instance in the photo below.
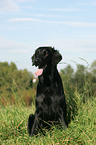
(48, 76)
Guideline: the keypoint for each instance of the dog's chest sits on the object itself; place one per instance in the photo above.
(45, 98)
(47, 102)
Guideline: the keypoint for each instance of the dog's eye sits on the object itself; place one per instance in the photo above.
(45, 53)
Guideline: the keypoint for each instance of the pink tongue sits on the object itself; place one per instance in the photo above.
(39, 72)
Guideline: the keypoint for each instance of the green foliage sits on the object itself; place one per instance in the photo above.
(82, 79)
(82, 82)
(14, 83)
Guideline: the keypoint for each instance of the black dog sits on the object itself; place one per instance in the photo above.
(50, 98)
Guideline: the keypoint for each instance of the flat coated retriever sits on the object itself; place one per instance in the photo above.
(50, 99)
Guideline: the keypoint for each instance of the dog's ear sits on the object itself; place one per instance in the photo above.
(57, 57)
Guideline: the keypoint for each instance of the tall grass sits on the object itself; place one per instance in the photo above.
(81, 115)
(13, 126)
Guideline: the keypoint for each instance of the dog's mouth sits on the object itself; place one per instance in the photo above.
(40, 70)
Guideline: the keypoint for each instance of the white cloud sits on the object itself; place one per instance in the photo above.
(50, 15)
(77, 24)
(56, 9)
(22, 1)
(74, 45)
(66, 10)
(18, 51)
(12, 5)
(87, 3)
(68, 45)
(8, 5)
(24, 20)
(70, 23)
(13, 46)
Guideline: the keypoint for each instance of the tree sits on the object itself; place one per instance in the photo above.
(93, 68)
(13, 67)
(67, 73)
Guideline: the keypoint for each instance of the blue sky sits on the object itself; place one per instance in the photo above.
(68, 25)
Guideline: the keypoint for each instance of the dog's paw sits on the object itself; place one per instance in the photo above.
(30, 123)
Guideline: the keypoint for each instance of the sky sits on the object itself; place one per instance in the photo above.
(67, 25)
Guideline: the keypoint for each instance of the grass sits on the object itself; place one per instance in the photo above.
(81, 131)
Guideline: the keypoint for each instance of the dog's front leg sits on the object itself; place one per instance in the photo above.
(32, 125)
(62, 121)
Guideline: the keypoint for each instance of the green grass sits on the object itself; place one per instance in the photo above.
(81, 131)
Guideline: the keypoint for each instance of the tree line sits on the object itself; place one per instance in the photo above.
(14, 84)
(83, 80)
(17, 85)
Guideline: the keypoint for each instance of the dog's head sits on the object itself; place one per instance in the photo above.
(45, 57)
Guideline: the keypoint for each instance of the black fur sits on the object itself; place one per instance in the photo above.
(50, 98)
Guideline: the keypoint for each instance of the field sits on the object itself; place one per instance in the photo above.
(17, 101)
(81, 131)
